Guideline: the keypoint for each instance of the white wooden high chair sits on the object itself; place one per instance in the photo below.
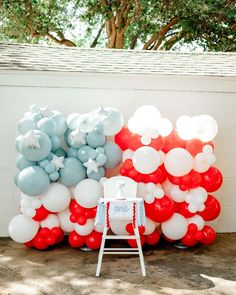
(120, 202)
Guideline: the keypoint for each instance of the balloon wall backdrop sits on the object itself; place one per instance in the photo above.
(62, 164)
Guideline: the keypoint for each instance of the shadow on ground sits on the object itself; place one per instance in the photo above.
(66, 271)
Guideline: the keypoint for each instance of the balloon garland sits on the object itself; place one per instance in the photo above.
(62, 165)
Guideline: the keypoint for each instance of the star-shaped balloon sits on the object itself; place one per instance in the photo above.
(91, 165)
(45, 112)
(58, 162)
(78, 137)
(31, 139)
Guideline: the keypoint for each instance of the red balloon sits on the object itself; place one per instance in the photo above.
(212, 209)
(212, 179)
(75, 240)
(81, 220)
(122, 138)
(192, 228)
(123, 171)
(73, 218)
(128, 164)
(29, 244)
(195, 179)
(44, 232)
(41, 213)
(157, 143)
(129, 228)
(141, 229)
(173, 141)
(73, 205)
(209, 235)
(133, 243)
(153, 238)
(157, 176)
(39, 242)
(189, 240)
(161, 209)
(56, 232)
(93, 240)
(194, 146)
(198, 235)
(90, 213)
(51, 240)
(182, 208)
(174, 179)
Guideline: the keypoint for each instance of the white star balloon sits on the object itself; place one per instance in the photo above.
(91, 165)
(58, 162)
(78, 137)
(31, 139)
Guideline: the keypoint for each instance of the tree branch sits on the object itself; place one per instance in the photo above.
(159, 36)
(95, 41)
(65, 42)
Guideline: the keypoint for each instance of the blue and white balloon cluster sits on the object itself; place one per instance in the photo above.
(39, 144)
(87, 140)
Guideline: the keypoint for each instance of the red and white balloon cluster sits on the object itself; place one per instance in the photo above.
(175, 174)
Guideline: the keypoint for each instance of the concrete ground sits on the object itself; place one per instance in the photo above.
(66, 271)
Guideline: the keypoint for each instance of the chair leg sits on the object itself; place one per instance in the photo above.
(140, 251)
(100, 256)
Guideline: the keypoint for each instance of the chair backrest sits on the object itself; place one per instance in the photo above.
(111, 187)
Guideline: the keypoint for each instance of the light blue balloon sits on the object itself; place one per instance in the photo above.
(82, 153)
(66, 135)
(97, 176)
(36, 117)
(50, 156)
(25, 125)
(92, 154)
(72, 173)
(101, 159)
(60, 152)
(37, 154)
(113, 154)
(33, 181)
(50, 168)
(17, 142)
(72, 152)
(54, 176)
(99, 128)
(100, 150)
(55, 140)
(47, 125)
(60, 123)
(95, 139)
(43, 163)
(22, 162)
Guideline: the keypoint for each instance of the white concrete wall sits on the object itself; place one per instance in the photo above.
(173, 95)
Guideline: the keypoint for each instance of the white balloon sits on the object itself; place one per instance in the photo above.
(65, 223)
(165, 127)
(193, 207)
(167, 186)
(146, 160)
(99, 228)
(199, 191)
(56, 198)
(150, 227)
(36, 203)
(198, 220)
(51, 221)
(208, 149)
(178, 162)
(176, 227)
(185, 127)
(150, 187)
(206, 127)
(30, 212)
(88, 192)
(86, 229)
(25, 203)
(127, 154)
(149, 198)
(113, 123)
(200, 165)
(159, 193)
(72, 120)
(177, 194)
(22, 229)
(118, 227)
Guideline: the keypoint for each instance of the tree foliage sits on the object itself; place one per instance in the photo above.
(145, 24)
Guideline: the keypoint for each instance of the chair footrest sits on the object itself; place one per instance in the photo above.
(120, 249)
(120, 252)
(111, 237)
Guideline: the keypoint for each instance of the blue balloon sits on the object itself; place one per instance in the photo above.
(97, 176)
(22, 162)
(72, 173)
(33, 181)
(60, 152)
(95, 139)
(113, 154)
(36, 117)
(47, 125)
(25, 125)
(50, 168)
(92, 154)
(60, 121)
(36, 154)
(54, 176)
(17, 142)
(72, 152)
(82, 153)
(43, 163)
(101, 159)
(50, 156)
(66, 135)
(55, 140)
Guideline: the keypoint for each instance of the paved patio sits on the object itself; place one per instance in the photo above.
(66, 271)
